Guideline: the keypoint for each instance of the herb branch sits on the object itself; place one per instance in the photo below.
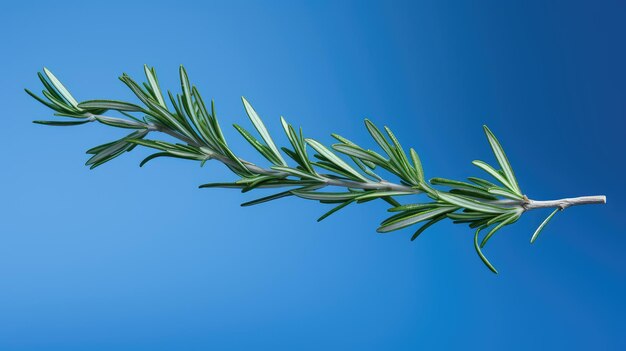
(327, 177)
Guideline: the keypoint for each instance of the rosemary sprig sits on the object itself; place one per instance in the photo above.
(327, 177)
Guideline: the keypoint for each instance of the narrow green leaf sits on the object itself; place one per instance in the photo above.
(365, 168)
(330, 156)
(61, 104)
(411, 212)
(110, 105)
(158, 112)
(418, 217)
(465, 202)
(498, 218)
(262, 149)
(187, 94)
(335, 209)
(413, 207)
(96, 149)
(278, 196)
(61, 88)
(474, 193)
(314, 195)
(212, 117)
(134, 87)
(109, 151)
(487, 168)
(62, 123)
(454, 184)
(243, 170)
(110, 156)
(222, 185)
(512, 218)
(505, 192)
(120, 123)
(260, 127)
(254, 181)
(299, 153)
(267, 198)
(543, 224)
(171, 120)
(502, 160)
(480, 222)
(342, 139)
(358, 152)
(408, 172)
(468, 216)
(155, 144)
(48, 86)
(44, 102)
(378, 137)
(417, 164)
(154, 84)
(337, 172)
(427, 225)
(480, 253)
(113, 150)
(153, 156)
(186, 155)
(377, 194)
(482, 183)
(390, 200)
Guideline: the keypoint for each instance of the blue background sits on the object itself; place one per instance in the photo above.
(129, 258)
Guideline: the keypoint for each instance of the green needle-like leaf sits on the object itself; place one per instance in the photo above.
(482, 183)
(507, 220)
(267, 198)
(505, 192)
(121, 123)
(61, 123)
(465, 202)
(110, 105)
(417, 164)
(364, 155)
(154, 84)
(51, 106)
(413, 207)
(325, 196)
(454, 184)
(335, 209)
(427, 225)
(330, 156)
(412, 219)
(487, 168)
(377, 194)
(543, 224)
(378, 137)
(480, 253)
(502, 160)
(61, 88)
(262, 149)
(260, 127)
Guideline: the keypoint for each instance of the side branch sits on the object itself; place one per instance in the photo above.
(327, 181)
